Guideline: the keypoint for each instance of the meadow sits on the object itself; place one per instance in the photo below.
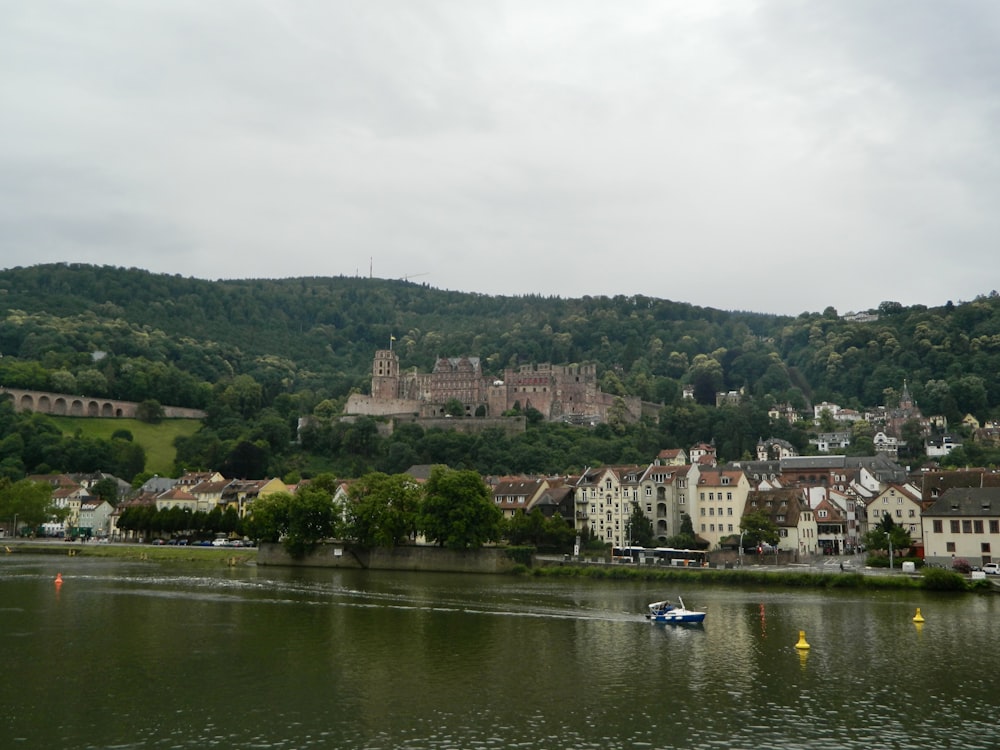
(156, 439)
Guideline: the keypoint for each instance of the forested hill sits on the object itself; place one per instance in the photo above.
(173, 338)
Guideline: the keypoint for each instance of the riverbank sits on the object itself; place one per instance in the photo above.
(213, 556)
(929, 579)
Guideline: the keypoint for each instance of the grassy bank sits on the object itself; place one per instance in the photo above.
(934, 579)
(213, 556)
(156, 439)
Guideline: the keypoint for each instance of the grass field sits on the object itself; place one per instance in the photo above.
(156, 439)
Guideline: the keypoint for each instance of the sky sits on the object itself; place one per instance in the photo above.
(773, 156)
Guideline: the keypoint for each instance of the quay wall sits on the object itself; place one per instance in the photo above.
(415, 558)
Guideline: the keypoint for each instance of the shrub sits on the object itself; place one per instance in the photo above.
(961, 565)
(939, 579)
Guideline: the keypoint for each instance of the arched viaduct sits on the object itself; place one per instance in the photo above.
(67, 405)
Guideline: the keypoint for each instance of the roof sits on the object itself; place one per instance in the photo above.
(966, 501)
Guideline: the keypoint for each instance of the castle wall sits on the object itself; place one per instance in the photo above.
(376, 407)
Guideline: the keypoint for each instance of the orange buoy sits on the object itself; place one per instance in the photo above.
(58, 579)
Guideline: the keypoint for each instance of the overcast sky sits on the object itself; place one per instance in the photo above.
(769, 156)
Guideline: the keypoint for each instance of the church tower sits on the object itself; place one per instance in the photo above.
(385, 375)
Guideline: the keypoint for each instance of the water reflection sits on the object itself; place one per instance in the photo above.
(275, 658)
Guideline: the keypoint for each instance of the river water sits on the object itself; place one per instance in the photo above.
(149, 655)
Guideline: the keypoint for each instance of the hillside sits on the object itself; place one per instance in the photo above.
(260, 354)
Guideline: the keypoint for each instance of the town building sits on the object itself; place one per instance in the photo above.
(663, 492)
(606, 497)
(718, 495)
(788, 509)
(964, 522)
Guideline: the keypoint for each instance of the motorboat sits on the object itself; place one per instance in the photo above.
(678, 614)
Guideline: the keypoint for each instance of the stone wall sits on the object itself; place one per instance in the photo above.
(68, 405)
(426, 559)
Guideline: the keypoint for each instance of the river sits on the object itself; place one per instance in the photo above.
(153, 655)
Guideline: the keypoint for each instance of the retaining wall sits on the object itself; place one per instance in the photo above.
(432, 559)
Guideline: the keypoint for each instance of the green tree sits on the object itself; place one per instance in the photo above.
(312, 517)
(758, 527)
(685, 538)
(382, 509)
(106, 489)
(149, 411)
(454, 408)
(269, 516)
(887, 532)
(638, 528)
(30, 501)
(458, 511)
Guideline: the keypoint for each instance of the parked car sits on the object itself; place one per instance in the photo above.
(991, 569)
(219, 543)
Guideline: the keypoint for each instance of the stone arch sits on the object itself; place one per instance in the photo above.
(27, 402)
(59, 407)
(93, 409)
(45, 404)
(76, 408)
(107, 410)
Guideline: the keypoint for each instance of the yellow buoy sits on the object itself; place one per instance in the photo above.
(918, 617)
(802, 641)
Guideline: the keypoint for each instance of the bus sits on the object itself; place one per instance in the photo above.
(628, 554)
(686, 558)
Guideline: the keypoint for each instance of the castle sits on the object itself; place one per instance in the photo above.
(560, 392)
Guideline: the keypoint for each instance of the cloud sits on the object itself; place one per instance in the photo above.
(769, 156)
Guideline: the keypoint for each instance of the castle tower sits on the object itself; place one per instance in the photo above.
(385, 375)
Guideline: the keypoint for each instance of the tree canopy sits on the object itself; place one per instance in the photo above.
(458, 512)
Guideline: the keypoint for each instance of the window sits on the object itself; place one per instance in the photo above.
(821, 514)
(703, 527)
(711, 496)
(977, 527)
(729, 496)
(912, 513)
(729, 511)
(954, 527)
(938, 526)
(966, 527)
(995, 527)
(649, 491)
(703, 511)
(899, 512)
(680, 500)
(949, 547)
(985, 547)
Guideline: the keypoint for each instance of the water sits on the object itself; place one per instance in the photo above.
(145, 655)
